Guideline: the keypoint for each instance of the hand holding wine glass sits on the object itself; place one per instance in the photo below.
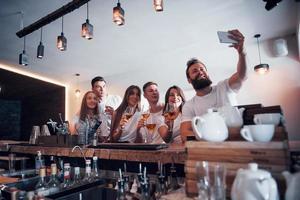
(170, 114)
(128, 113)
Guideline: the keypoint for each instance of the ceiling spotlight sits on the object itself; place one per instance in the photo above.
(158, 5)
(271, 4)
(23, 57)
(260, 68)
(87, 28)
(61, 39)
(118, 15)
(40, 49)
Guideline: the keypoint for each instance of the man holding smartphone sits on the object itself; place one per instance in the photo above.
(208, 96)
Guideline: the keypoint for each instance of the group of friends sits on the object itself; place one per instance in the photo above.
(112, 119)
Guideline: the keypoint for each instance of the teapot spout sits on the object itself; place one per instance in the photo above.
(287, 176)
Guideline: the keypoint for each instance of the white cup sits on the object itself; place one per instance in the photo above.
(258, 132)
(267, 118)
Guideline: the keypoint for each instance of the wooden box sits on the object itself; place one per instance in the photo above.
(272, 156)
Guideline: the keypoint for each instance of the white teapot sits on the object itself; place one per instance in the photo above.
(254, 184)
(210, 126)
(233, 116)
(292, 182)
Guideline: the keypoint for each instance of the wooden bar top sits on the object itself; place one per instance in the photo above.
(174, 153)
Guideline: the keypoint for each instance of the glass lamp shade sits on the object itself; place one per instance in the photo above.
(158, 5)
(77, 93)
(87, 30)
(261, 69)
(118, 15)
(61, 42)
(23, 58)
(40, 51)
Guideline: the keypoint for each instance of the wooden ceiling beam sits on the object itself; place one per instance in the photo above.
(69, 7)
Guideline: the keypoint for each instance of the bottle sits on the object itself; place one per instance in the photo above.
(41, 187)
(53, 184)
(67, 176)
(173, 183)
(121, 191)
(77, 178)
(95, 170)
(60, 167)
(88, 175)
(39, 161)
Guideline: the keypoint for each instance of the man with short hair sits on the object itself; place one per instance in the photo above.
(160, 132)
(107, 103)
(208, 96)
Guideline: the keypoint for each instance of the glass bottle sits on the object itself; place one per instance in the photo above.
(67, 176)
(121, 191)
(41, 187)
(173, 183)
(39, 161)
(53, 183)
(77, 178)
(88, 174)
(95, 170)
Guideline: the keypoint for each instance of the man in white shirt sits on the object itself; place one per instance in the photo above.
(107, 103)
(208, 96)
(160, 132)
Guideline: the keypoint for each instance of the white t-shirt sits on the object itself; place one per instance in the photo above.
(129, 131)
(154, 137)
(113, 101)
(176, 138)
(220, 95)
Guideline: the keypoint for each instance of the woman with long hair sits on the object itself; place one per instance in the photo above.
(88, 122)
(174, 100)
(126, 117)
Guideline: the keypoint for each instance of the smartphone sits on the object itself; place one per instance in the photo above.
(224, 37)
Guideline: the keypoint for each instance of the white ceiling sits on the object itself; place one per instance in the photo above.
(150, 46)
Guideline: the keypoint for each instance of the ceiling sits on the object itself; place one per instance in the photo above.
(150, 46)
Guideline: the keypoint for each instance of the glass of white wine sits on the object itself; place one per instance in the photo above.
(170, 114)
(150, 124)
(129, 111)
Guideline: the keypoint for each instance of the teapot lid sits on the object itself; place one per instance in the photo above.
(254, 172)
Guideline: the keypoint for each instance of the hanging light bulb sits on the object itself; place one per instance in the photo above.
(40, 49)
(87, 28)
(61, 39)
(23, 57)
(77, 91)
(118, 15)
(158, 5)
(260, 68)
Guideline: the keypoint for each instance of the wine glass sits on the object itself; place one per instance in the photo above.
(145, 112)
(129, 111)
(170, 114)
(150, 124)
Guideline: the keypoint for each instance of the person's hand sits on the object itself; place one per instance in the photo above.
(237, 36)
(141, 123)
(109, 110)
(123, 121)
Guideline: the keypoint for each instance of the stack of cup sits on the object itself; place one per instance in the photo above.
(264, 128)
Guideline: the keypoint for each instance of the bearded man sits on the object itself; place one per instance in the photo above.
(208, 96)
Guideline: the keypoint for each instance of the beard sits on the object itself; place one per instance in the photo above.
(201, 83)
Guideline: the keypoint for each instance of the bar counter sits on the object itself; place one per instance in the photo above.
(172, 154)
